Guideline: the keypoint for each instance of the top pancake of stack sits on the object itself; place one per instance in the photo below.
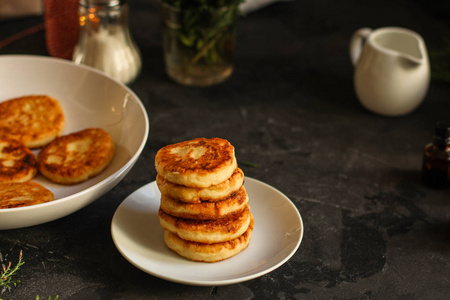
(197, 164)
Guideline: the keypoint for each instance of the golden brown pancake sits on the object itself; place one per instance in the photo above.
(18, 194)
(17, 162)
(35, 120)
(208, 252)
(76, 157)
(198, 163)
(209, 231)
(236, 202)
(213, 193)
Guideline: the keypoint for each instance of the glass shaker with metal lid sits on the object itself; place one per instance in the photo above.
(105, 42)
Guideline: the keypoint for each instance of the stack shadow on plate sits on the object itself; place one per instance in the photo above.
(204, 208)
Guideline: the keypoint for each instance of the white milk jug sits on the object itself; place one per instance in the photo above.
(392, 70)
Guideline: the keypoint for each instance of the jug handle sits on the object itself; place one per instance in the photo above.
(357, 43)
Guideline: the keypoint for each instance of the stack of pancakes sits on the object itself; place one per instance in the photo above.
(204, 207)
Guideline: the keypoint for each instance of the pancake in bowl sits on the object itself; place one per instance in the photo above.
(76, 157)
(210, 253)
(35, 120)
(212, 193)
(200, 162)
(19, 194)
(17, 162)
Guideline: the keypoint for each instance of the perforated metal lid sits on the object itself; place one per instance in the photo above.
(107, 3)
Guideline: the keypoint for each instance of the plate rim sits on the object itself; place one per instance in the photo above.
(206, 282)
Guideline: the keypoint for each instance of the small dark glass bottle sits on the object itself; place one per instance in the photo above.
(436, 158)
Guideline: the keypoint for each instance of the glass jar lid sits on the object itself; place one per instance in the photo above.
(107, 3)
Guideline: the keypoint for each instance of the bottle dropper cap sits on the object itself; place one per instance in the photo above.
(442, 131)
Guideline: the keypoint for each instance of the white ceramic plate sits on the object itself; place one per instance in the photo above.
(89, 99)
(278, 232)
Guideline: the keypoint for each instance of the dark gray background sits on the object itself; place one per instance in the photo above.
(372, 229)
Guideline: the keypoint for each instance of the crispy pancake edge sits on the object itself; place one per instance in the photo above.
(236, 202)
(210, 253)
(212, 193)
(208, 231)
(25, 163)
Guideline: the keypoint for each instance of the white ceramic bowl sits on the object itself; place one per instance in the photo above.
(89, 99)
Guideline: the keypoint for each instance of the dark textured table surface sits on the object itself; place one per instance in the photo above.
(372, 230)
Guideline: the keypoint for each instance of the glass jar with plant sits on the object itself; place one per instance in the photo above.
(199, 39)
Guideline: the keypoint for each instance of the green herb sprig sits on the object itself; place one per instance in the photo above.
(49, 298)
(202, 4)
(6, 280)
(440, 61)
(7, 272)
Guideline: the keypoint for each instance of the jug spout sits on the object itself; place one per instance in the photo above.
(415, 61)
(402, 42)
